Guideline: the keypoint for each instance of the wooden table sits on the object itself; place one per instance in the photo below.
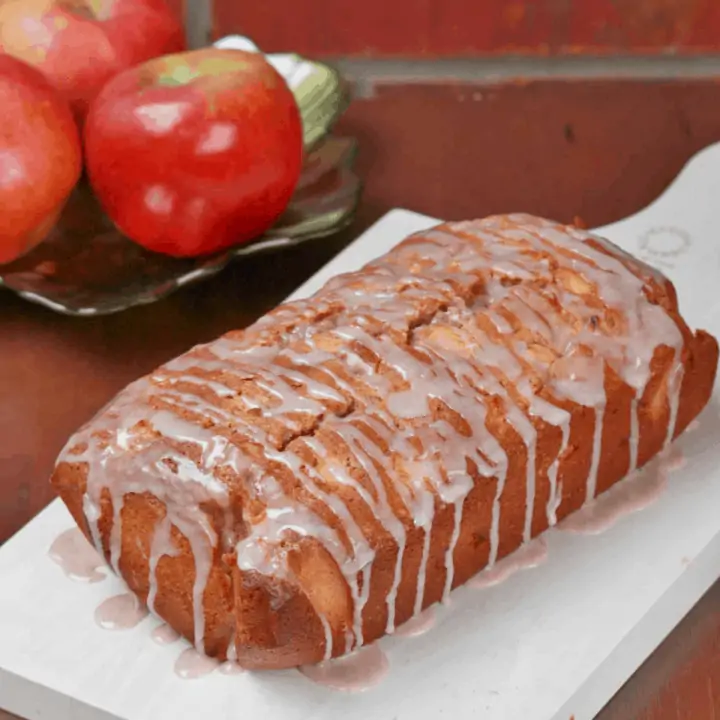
(597, 150)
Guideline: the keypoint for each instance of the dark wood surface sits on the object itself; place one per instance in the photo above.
(595, 150)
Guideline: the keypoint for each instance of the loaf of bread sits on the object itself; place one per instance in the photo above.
(295, 490)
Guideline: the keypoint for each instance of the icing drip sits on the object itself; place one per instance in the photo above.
(559, 418)
(120, 470)
(165, 635)
(231, 668)
(369, 460)
(353, 673)
(161, 546)
(596, 453)
(120, 612)
(327, 630)
(203, 555)
(77, 558)
(91, 509)
(449, 562)
(192, 665)
(420, 592)
(674, 389)
(634, 434)
(528, 556)
(379, 402)
(418, 624)
(340, 474)
(624, 498)
(359, 603)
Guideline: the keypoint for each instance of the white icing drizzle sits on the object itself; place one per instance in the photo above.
(327, 630)
(559, 418)
(120, 470)
(360, 604)
(634, 434)
(356, 672)
(77, 558)
(359, 594)
(366, 457)
(674, 390)
(404, 363)
(420, 592)
(591, 486)
(161, 545)
(91, 511)
(501, 472)
(449, 561)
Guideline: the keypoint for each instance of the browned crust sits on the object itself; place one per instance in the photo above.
(241, 607)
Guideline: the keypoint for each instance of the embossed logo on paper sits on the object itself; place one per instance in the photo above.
(661, 246)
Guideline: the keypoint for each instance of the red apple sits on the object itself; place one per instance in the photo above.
(192, 153)
(40, 157)
(81, 44)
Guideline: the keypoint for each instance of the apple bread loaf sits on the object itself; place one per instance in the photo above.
(292, 491)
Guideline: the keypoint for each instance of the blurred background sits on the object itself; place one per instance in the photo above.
(474, 28)
(565, 107)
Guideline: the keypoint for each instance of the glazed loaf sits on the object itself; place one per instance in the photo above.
(292, 491)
